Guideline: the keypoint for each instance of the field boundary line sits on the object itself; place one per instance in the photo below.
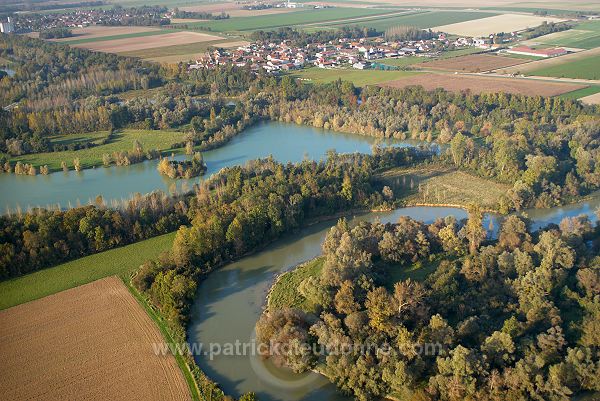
(158, 319)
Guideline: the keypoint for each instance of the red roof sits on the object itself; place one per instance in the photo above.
(541, 52)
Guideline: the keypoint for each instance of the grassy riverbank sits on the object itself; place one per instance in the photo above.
(162, 140)
(120, 261)
(284, 292)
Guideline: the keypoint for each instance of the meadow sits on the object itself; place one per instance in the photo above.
(284, 293)
(441, 185)
(119, 261)
(287, 19)
(585, 68)
(92, 157)
(357, 77)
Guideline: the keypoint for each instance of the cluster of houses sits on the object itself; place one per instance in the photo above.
(25, 22)
(344, 52)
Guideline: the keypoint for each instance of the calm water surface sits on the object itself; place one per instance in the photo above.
(286, 142)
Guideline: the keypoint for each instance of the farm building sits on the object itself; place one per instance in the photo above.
(528, 51)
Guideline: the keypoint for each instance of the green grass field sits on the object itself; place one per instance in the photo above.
(585, 35)
(115, 37)
(287, 19)
(357, 77)
(579, 93)
(150, 139)
(285, 292)
(421, 20)
(176, 50)
(120, 261)
(585, 68)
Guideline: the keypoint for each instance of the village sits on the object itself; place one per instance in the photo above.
(361, 54)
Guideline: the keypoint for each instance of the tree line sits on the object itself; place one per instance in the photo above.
(511, 319)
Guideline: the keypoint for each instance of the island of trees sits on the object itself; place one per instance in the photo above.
(515, 318)
(182, 168)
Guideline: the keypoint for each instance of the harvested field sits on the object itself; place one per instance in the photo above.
(592, 99)
(236, 10)
(98, 31)
(89, 342)
(473, 63)
(498, 23)
(150, 42)
(482, 84)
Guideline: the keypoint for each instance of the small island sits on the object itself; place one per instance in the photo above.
(184, 168)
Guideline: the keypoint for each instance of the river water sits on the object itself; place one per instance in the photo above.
(230, 300)
(286, 142)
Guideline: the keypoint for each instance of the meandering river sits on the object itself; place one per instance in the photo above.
(286, 142)
(230, 300)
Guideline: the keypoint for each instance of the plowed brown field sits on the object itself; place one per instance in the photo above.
(90, 342)
(481, 84)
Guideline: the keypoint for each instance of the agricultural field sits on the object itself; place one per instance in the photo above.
(357, 77)
(91, 342)
(121, 261)
(287, 19)
(92, 157)
(585, 68)
(473, 63)
(581, 93)
(235, 9)
(131, 44)
(441, 185)
(175, 54)
(423, 20)
(130, 35)
(97, 32)
(573, 38)
(482, 84)
(591, 99)
(494, 24)
(527, 68)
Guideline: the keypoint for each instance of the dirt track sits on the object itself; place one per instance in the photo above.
(482, 84)
(90, 342)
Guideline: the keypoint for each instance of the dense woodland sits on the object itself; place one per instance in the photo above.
(43, 238)
(513, 319)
